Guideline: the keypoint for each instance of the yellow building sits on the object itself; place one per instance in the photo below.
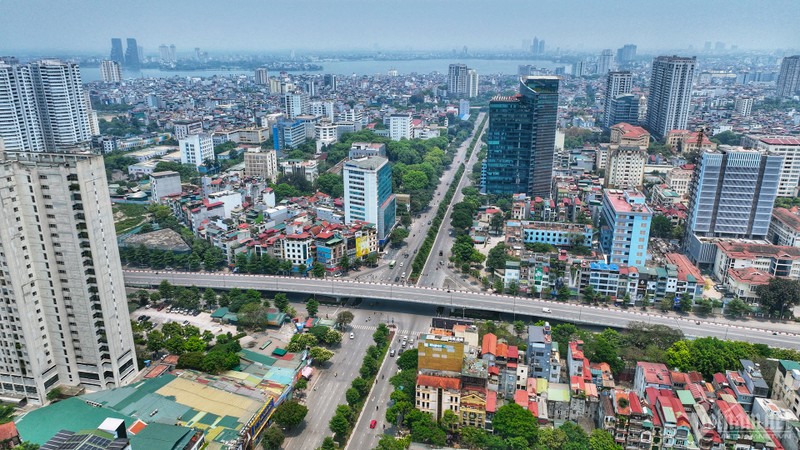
(440, 352)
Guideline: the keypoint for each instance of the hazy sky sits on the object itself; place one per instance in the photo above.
(86, 26)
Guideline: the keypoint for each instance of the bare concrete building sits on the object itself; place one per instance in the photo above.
(63, 311)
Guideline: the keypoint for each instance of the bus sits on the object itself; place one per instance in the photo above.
(391, 263)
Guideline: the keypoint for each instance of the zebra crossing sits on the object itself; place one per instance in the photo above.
(400, 332)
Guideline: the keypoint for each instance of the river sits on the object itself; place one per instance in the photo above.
(362, 67)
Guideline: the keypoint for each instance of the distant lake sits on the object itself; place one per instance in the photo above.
(365, 67)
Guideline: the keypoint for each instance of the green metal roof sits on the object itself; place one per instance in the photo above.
(72, 414)
(685, 397)
(257, 357)
(158, 436)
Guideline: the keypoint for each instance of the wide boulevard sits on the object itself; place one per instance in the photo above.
(776, 334)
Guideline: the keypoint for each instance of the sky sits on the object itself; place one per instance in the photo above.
(266, 26)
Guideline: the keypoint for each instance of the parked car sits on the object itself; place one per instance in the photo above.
(391, 352)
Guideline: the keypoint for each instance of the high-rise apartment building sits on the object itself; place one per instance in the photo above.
(457, 80)
(325, 110)
(626, 54)
(472, 83)
(670, 94)
(117, 54)
(399, 126)
(43, 107)
(185, 128)
(623, 108)
(604, 62)
(731, 196)
(521, 139)
(110, 71)
(295, 104)
(617, 83)
(625, 227)
(789, 77)
(262, 76)
(261, 163)
(163, 54)
(132, 60)
(368, 193)
(64, 308)
(329, 80)
(196, 149)
(744, 106)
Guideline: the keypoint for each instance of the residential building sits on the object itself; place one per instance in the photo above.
(43, 107)
(774, 415)
(437, 394)
(298, 249)
(784, 228)
(368, 193)
(617, 84)
(262, 76)
(472, 83)
(110, 71)
(789, 77)
(789, 148)
(295, 104)
(743, 106)
(323, 109)
(786, 384)
(773, 260)
(625, 167)
(651, 375)
(604, 62)
(262, 163)
(325, 133)
(560, 234)
(185, 128)
(542, 354)
(399, 126)
(164, 184)
(679, 179)
(363, 149)
(64, 281)
(306, 168)
(670, 94)
(732, 194)
(625, 230)
(521, 139)
(626, 53)
(196, 149)
(457, 80)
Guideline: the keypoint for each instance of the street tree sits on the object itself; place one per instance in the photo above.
(320, 355)
(344, 318)
(780, 295)
(289, 414)
(312, 306)
(281, 302)
(273, 438)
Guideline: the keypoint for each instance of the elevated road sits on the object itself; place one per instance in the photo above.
(775, 334)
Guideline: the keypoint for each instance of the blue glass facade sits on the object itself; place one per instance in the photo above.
(521, 139)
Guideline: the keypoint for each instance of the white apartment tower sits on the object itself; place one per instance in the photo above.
(670, 94)
(295, 104)
(744, 106)
(604, 63)
(63, 308)
(472, 83)
(399, 126)
(617, 83)
(368, 193)
(262, 163)
(196, 149)
(457, 80)
(789, 77)
(110, 71)
(43, 107)
(625, 166)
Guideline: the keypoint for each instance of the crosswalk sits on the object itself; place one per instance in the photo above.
(372, 328)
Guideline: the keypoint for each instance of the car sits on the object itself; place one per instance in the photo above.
(141, 319)
(373, 423)
(547, 310)
(429, 222)
(352, 335)
(195, 313)
(185, 322)
(337, 275)
(391, 352)
(411, 341)
(697, 322)
(404, 344)
(441, 252)
(403, 275)
(401, 263)
(406, 255)
(396, 279)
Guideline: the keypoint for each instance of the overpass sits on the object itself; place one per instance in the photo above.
(775, 334)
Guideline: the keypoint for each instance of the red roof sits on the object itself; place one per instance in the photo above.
(8, 431)
(494, 370)
(489, 344)
(137, 427)
(521, 398)
(491, 401)
(685, 267)
(634, 404)
(734, 415)
(439, 382)
(781, 141)
(513, 352)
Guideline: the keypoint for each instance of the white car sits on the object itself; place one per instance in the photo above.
(547, 310)
(401, 263)
(352, 335)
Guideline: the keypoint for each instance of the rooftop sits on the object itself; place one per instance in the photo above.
(746, 250)
(789, 217)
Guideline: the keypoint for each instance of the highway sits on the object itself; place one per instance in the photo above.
(419, 227)
(755, 331)
(436, 274)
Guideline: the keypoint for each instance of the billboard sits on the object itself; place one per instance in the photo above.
(362, 246)
(260, 419)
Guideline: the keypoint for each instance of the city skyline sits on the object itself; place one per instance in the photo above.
(88, 26)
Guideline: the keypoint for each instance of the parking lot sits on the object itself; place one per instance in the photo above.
(202, 321)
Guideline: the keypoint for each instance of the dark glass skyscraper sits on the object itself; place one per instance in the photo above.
(132, 54)
(521, 139)
(116, 51)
